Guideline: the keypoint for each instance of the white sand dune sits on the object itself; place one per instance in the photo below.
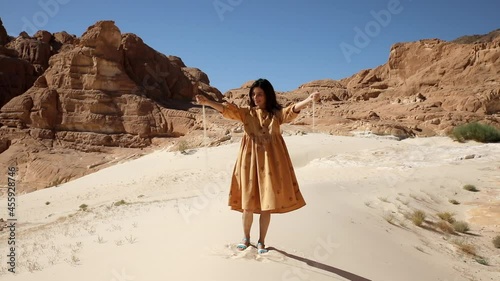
(175, 223)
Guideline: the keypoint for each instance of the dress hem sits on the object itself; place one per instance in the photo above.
(274, 211)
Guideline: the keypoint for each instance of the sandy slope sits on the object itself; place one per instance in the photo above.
(175, 224)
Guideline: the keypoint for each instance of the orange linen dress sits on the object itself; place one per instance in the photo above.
(263, 176)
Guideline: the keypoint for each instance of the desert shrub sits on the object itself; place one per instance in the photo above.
(183, 146)
(445, 227)
(121, 202)
(446, 216)
(482, 260)
(496, 241)
(470, 187)
(461, 226)
(465, 247)
(418, 217)
(476, 131)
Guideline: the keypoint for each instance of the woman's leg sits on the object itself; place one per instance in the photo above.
(264, 220)
(247, 218)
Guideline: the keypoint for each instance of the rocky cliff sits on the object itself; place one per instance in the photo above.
(426, 88)
(103, 89)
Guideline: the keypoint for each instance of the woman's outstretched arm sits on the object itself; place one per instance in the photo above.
(202, 100)
(300, 105)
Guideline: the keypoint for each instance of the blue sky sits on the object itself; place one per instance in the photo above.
(289, 42)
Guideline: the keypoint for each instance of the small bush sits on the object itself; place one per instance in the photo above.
(482, 261)
(121, 202)
(454, 202)
(84, 207)
(183, 146)
(418, 217)
(476, 131)
(461, 226)
(470, 187)
(496, 241)
(445, 227)
(446, 217)
(465, 247)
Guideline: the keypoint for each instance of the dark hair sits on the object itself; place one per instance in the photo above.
(271, 103)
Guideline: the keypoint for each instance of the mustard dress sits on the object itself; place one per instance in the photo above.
(263, 177)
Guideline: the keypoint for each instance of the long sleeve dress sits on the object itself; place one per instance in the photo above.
(263, 177)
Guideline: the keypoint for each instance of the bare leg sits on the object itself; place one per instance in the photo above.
(247, 218)
(264, 220)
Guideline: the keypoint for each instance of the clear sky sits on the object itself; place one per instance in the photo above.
(289, 42)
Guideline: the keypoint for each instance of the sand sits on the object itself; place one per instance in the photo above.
(164, 216)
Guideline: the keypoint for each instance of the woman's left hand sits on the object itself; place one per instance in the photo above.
(315, 96)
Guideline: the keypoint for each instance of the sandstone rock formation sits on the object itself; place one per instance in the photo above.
(109, 84)
(426, 88)
(102, 89)
(4, 37)
(23, 59)
(16, 75)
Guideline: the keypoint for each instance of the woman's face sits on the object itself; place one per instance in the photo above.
(259, 97)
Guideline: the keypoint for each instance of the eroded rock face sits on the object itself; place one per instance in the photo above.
(153, 72)
(440, 83)
(108, 83)
(104, 89)
(4, 37)
(426, 88)
(23, 60)
(36, 51)
(16, 75)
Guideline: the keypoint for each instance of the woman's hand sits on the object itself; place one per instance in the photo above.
(201, 100)
(315, 96)
(302, 104)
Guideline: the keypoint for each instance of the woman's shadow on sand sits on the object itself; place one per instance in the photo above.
(322, 266)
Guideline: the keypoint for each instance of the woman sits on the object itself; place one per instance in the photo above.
(263, 180)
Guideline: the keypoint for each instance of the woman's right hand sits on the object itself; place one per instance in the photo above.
(201, 100)
(315, 96)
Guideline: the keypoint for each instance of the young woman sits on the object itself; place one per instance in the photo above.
(263, 180)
